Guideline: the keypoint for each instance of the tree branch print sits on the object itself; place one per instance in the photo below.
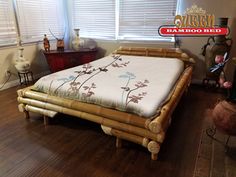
(88, 69)
(85, 70)
(103, 69)
(126, 88)
(88, 90)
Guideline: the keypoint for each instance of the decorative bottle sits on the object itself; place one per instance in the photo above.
(76, 40)
(219, 46)
(21, 63)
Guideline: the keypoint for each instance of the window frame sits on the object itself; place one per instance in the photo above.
(118, 39)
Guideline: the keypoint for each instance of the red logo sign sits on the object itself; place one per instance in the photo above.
(174, 31)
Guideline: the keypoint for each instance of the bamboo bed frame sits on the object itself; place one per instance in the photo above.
(149, 133)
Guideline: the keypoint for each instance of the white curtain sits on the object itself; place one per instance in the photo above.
(8, 32)
(37, 17)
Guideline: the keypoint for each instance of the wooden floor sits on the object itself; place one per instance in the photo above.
(73, 147)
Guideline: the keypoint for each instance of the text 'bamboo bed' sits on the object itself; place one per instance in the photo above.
(149, 133)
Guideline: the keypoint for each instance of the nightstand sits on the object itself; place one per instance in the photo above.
(60, 60)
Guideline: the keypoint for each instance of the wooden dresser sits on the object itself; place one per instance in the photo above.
(59, 60)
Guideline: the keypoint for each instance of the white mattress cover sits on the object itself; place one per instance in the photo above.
(134, 84)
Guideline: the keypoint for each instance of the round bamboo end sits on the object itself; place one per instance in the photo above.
(178, 50)
(155, 127)
(106, 130)
(20, 92)
(147, 122)
(145, 142)
(184, 55)
(21, 107)
(161, 137)
(153, 147)
(192, 60)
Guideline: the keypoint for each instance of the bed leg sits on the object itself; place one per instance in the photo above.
(27, 116)
(154, 148)
(46, 120)
(153, 156)
(118, 142)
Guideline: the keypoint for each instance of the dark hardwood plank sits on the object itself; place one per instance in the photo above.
(74, 147)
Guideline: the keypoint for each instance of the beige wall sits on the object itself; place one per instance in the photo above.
(220, 8)
(31, 52)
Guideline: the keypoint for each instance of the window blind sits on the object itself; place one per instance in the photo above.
(95, 18)
(35, 18)
(140, 19)
(8, 34)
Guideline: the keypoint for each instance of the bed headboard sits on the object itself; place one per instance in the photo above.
(156, 52)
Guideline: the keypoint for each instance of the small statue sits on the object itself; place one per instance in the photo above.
(46, 43)
(60, 45)
(60, 42)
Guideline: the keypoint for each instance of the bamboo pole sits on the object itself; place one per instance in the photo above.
(156, 125)
(44, 112)
(94, 118)
(157, 52)
(21, 108)
(130, 137)
(90, 108)
(106, 130)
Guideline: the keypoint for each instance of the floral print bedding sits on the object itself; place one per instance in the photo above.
(134, 84)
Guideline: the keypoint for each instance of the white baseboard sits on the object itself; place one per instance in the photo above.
(17, 81)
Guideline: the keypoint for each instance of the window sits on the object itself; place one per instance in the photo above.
(35, 18)
(140, 19)
(95, 18)
(123, 19)
(8, 33)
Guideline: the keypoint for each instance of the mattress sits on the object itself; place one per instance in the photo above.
(136, 84)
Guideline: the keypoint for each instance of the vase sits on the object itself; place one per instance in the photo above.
(21, 63)
(77, 43)
(224, 117)
(216, 46)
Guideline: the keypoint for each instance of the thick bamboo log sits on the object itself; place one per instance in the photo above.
(21, 108)
(154, 148)
(156, 125)
(21, 92)
(157, 52)
(130, 137)
(44, 112)
(127, 136)
(90, 108)
(106, 130)
(94, 118)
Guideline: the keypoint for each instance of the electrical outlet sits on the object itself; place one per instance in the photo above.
(7, 73)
